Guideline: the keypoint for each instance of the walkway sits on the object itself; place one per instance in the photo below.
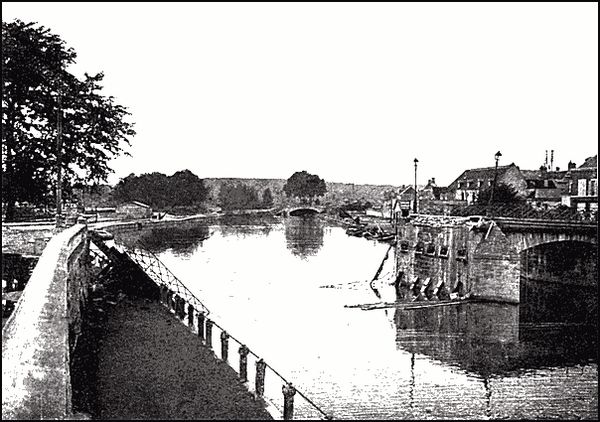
(150, 366)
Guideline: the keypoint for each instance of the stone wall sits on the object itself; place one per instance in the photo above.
(43, 329)
(495, 268)
(480, 255)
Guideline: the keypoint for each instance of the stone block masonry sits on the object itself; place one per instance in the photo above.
(483, 256)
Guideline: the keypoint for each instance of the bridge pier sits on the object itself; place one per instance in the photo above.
(480, 257)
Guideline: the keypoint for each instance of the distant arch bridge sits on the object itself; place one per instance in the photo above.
(304, 210)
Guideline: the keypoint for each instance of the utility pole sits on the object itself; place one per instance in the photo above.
(59, 160)
(415, 200)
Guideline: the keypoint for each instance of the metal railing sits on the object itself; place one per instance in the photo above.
(161, 275)
(175, 296)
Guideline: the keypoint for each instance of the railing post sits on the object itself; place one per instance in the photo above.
(209, 325)
(201, 325)
(260, 377)
(174, 303)
(169, 299)
(288, 401)
(243, 351)
(181, 308)
(224, 346)
(191, 316)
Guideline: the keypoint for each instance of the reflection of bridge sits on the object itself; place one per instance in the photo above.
(491, 339)
(486, 257)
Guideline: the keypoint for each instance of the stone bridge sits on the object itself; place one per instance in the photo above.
(304, 210)
(487, 258)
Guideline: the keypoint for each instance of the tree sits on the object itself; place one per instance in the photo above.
(305, 186)
(503, 194)
(267, 198)
(160, 191)
(38, 93)
(238, 197)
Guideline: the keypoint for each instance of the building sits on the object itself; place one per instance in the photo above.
(134, 210)
(467, 186)
(545, 188)
(582, 186)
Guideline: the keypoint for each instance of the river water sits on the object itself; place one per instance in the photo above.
(281, 286)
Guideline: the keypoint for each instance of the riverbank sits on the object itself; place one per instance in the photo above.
(138, 361)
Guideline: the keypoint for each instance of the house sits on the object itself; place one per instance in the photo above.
(582, 186)
(134, 210)
(545, 189)
(467, 186)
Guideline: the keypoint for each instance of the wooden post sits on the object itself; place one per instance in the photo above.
(191, 316)
(201, 325)
(181, 308)
(169, 299)
(288, 401)
(260, 377)
(224, 346)
(209, 325)
(243, 351)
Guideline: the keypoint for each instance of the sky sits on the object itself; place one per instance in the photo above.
(353, 92)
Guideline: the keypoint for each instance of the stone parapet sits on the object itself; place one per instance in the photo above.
(43, 329)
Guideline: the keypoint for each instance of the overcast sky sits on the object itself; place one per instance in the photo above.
(352, 92)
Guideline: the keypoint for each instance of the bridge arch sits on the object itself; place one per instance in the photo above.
(301, 211)
(558, 281)
(522, 241)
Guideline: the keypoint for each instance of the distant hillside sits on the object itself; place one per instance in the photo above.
(336, 192)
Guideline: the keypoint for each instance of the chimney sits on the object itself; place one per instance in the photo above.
(571, 165)
(433, 180)
(546, 162)
(551, 160)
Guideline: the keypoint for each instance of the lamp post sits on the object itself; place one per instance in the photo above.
(497, 157)
(415, 200)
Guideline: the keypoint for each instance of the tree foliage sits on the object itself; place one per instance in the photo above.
(160, 191)
(239, 196)
(36, 87)
(503, 194)
(305, 186)
(267, 198)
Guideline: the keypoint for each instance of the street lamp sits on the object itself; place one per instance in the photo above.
(497, 157)
(415, 201)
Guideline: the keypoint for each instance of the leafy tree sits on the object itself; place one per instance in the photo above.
(503, 194)
(305, 186)
(160, 191)
(238, 197)
(267, 198)
(36, 90)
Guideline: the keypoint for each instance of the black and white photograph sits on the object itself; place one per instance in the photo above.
(299, 211)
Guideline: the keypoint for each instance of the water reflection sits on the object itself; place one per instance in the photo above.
(183, 241)
(489, 339)
(247, 225)
(304, 235)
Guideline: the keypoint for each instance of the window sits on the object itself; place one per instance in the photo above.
(443, 251)
(461, 254)
(419, 247)
(404, 246)
(581, 187)
(593, 191)
(430, 249)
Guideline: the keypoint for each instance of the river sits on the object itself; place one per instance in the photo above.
(281, 286)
